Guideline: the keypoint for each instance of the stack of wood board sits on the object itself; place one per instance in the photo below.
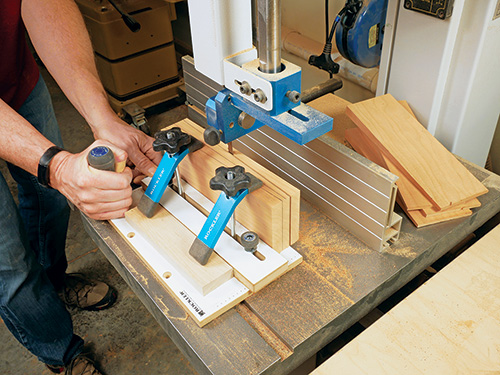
(273, 211)
(433, 185)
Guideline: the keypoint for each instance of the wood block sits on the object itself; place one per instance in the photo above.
(412, 148)
(449, 325)
(172, 238)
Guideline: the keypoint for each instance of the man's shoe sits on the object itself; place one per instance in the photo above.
(80, 365)
(87, 294)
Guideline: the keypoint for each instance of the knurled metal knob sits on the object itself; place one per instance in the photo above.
(249, 240)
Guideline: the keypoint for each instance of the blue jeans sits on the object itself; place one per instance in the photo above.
(32, 257)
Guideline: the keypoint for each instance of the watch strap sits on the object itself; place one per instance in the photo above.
(44, 165)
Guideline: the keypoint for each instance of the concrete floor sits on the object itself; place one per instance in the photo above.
(125, 339)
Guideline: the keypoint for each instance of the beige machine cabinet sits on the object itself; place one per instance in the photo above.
(133, 65)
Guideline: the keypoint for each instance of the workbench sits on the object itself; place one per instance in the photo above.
(287, 322)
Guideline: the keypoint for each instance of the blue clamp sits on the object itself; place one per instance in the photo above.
(176, 145)
(301, 123)
(235, 184)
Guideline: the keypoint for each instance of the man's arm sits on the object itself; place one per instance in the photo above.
(99, 194)
(58, 33)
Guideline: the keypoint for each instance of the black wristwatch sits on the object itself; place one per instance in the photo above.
(44, 165)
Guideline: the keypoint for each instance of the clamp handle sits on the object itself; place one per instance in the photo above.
(101, 157)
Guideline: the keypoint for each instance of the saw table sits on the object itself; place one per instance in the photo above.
(339, 281)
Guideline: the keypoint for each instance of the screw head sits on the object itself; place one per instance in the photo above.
(259, 96)
(293, 96)
(245, 88)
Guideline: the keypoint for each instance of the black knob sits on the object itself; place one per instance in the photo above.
(230, 180)
(171, 140)
(211, 136)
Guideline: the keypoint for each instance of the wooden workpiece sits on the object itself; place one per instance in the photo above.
(426, 162)
(449, 325)
(272, 211)
(418, 208)
(412, 197)
(288, 193)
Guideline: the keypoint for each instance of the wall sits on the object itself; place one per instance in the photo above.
(308, 18)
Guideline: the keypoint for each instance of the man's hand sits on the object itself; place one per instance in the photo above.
(138, 146)
(101, 195)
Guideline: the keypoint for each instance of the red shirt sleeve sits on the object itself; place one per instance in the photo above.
(18, 70)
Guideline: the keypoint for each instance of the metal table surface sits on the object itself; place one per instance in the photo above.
(284, 324)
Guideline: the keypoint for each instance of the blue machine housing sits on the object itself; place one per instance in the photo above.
(362, 44)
